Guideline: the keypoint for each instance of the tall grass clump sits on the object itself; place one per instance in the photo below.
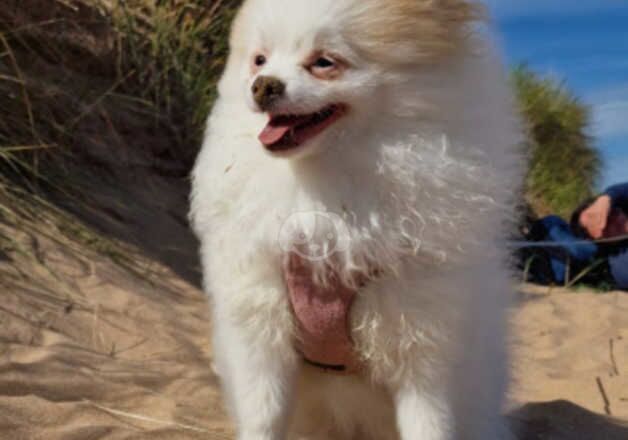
(173, 52)
(91, 89)
(95, 76)
(564, 165)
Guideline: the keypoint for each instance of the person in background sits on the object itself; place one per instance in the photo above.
(606, 217)
(565, 257)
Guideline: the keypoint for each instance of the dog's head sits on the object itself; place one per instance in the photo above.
(322, 68)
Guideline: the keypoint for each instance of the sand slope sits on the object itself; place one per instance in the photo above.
(112, 342)
(92, 328)
(572, 346)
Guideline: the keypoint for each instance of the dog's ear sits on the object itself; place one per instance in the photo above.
(238, 41)
(412, 31)
(243, 19)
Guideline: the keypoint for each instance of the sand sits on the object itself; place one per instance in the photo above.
(572, 346)
(570, 350)
(92, 350)
(71, 366)
(101, 321)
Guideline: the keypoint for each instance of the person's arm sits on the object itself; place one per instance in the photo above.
(578, 249)
(557, 230)
(595, 217)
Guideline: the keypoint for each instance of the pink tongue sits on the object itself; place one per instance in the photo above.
(271, 134)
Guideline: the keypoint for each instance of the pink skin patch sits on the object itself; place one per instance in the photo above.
(287, 132)
(322, 317)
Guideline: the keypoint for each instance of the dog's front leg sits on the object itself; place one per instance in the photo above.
(259, 378)
(257, 363)
(422, 415)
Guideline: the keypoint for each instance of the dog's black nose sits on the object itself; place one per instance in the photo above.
(267, 90)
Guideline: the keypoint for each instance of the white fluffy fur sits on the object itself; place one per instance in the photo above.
(423, 170)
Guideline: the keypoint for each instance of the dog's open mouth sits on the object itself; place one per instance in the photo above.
(286, 132)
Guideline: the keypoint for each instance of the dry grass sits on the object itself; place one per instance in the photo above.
(564, 164)
(92, 88)
(86, 72)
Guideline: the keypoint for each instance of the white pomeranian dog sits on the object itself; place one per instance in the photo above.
(353, 195)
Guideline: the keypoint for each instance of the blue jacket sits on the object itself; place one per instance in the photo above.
(619, 196)
(572, 248)
(619, 261)
(584, 253)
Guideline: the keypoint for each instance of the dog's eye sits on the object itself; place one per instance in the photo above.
(323, 63)
(325, 67)
(260, 60)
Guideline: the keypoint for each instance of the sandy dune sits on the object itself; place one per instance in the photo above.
(71, 366)
(93, 328)
(572, 346)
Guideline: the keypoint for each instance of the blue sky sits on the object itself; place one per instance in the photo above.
(585, 44)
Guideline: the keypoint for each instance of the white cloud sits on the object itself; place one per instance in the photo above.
(610, 127)
(610, 112)
(611, 119)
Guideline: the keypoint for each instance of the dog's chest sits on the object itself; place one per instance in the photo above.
(322, 318)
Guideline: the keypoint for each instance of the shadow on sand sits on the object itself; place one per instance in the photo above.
(562, 420)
